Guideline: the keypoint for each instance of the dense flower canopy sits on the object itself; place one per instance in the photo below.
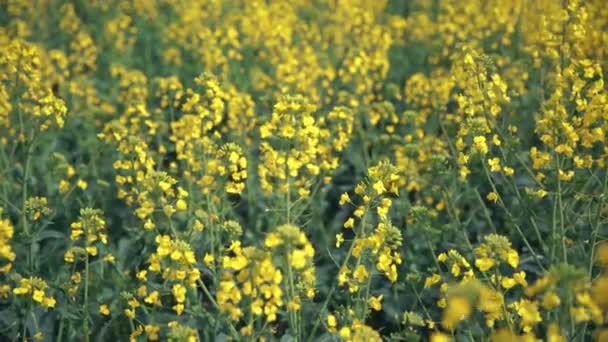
(303, 170)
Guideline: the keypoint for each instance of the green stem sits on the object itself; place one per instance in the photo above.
(26, 175)
(561, 211)
(293, 314)
(85, 307)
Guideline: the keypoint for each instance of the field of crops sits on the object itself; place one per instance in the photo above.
(303, 170)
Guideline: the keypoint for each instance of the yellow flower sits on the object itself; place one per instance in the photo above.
(520, 278)
(152, 332)
(505, 335)
(442, 257)
(181, 205)
(431, 280)
(379, 187)
(360, 273)
(492, 196)
(179, 308)
(343, 276)
(480, 144)
(130, 313)
(344, 198)
(64, 186)
(529, 313)
(508, 171)
(298, 259)
(208, 259)
(513, 258)
(332, 323)
(272, 240)
(49, 302)
(350, 223)
(494, 164)
(38, 296)
(82, 184)
(295, 304)
(376, 302)
(440, 337)
(458, 309)
(566, 176)
(247, 330)
(104, 310)
(507, 282)
(153, 298)
(496, 140)
(345, 333)
(601, 254)
(551, 300)
(179, 292)
(339, 240)
(359, 211)
(485, 264)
